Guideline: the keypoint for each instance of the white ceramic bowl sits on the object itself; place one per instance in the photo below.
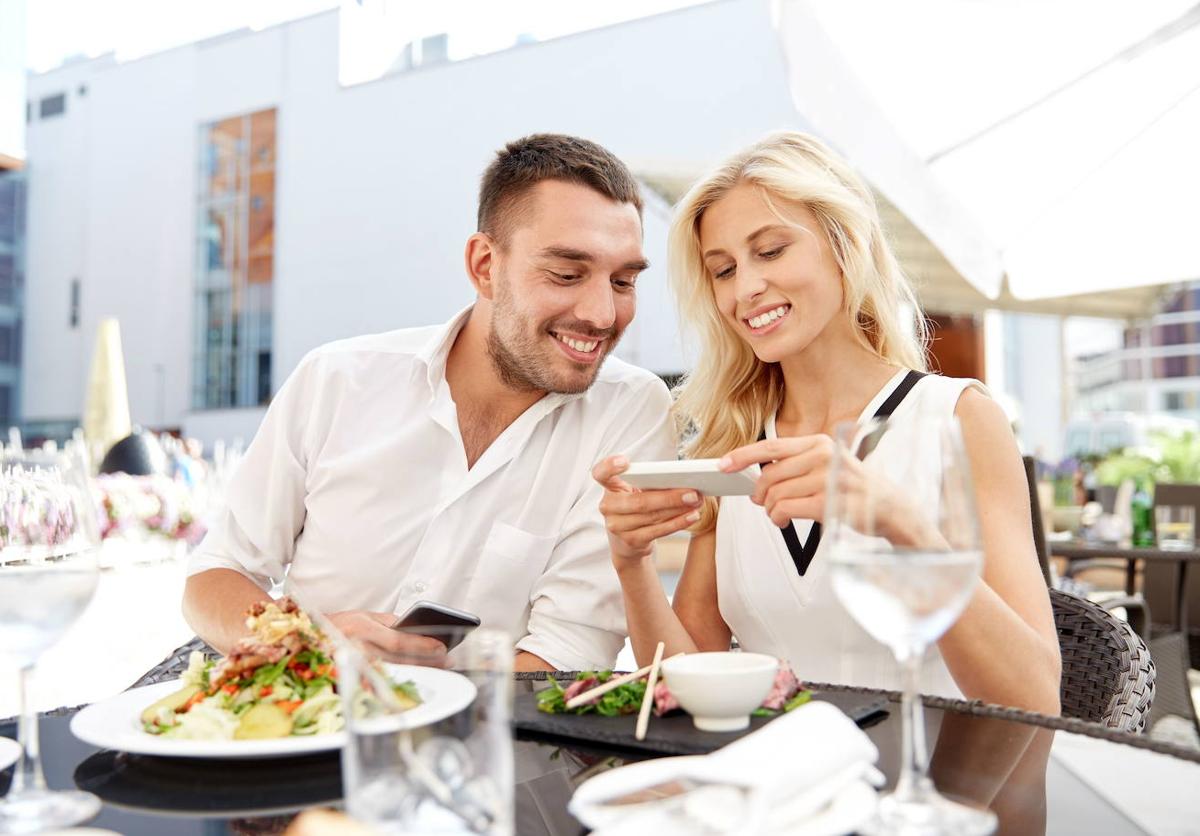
(720, 690)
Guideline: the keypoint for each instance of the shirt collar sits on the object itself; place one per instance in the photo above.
(436, 350)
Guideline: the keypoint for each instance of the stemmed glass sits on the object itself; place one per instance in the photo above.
(905, 557)
(48, 573)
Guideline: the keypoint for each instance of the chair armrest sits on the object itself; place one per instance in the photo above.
(1137, 612)
(1076, 566)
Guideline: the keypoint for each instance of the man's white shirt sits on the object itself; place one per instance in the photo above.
(357, 486)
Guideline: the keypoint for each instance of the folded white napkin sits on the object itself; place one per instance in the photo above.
(788, 771)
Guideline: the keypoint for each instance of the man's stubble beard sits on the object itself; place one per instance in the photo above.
(519, 357)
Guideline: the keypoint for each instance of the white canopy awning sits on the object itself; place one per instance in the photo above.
(1066, 130)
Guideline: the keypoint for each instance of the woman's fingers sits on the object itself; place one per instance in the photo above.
(770, 450)
(642, 502)
(607, 472)
(813, 461)
(807, 508)
(622, 523)
(801, 487)
(643, 537)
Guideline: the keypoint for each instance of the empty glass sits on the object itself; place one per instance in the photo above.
(905, 558)
(1175, 527)
(445, 765)
(48, 573)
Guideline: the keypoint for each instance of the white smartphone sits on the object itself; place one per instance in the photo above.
(702, 475)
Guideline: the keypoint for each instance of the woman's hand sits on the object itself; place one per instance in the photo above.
(794, 470)
(635, 519)
(793, 484)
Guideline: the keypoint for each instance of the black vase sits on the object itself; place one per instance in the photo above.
(137, 454)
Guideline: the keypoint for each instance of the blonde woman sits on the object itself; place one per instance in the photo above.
(779, 262)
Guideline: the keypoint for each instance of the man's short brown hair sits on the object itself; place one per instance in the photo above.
(522, 164)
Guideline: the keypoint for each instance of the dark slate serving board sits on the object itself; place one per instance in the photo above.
(671, 735)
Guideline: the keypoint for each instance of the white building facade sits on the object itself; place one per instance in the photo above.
(235, 206)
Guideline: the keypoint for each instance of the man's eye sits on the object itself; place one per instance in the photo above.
(623, 284)
(566, 277)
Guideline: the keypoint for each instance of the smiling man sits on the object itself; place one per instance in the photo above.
(451, 463)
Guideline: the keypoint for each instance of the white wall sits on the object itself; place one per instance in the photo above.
(376, 184)
(57, 218)
(1034, 378)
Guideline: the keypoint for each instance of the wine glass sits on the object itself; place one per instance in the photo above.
(48, 573)
(905, 558)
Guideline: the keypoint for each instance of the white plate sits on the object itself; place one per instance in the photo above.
(114, 723)
(10, 750)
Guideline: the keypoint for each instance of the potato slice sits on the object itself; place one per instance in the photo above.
(407, 703)
(264, 720)
(173, 701)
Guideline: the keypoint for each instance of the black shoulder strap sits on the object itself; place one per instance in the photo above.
(802, 555)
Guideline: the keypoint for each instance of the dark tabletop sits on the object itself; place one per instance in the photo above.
(1010, 762)
(1079, 550)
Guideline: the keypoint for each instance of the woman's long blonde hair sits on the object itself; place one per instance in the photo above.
(724, 402)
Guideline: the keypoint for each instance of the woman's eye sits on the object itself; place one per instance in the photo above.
(769, 254)
(724, 272)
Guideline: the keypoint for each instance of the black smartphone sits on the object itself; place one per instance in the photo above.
(424, 614)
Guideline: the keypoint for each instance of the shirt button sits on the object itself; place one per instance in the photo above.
(419, 587)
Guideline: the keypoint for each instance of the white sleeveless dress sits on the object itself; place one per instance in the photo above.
(773, 609)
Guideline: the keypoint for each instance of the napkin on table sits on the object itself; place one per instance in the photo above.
(788, 770)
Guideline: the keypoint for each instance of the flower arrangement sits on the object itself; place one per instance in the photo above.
(147, 506)
(35, 509)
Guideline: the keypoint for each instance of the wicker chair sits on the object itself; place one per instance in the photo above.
(1107, 672)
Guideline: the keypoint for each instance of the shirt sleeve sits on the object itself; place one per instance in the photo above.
(254, 532)
(577, 618)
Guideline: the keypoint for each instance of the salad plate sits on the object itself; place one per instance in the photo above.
(115, 723)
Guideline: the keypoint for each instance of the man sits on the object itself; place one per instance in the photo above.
(452, 463)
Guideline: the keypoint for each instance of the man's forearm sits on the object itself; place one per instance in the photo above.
(526, 661)
(215, 604)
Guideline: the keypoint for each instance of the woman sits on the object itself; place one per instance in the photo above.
(806, 321)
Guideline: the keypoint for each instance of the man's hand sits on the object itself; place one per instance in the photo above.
(373, 630)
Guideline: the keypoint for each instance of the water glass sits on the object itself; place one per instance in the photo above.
(1175, 526)
(905, 557)
(49, 537)
(402, 773)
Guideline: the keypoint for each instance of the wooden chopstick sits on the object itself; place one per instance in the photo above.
(648, 700)
(605, 687)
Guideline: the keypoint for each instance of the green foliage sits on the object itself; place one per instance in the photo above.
(1170, 458)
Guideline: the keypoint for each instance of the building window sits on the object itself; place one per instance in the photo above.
(235, 262)
(52, 106)
(74, 314)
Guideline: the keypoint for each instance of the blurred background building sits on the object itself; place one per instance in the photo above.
(238, 200)
(12, 284)
(1157, 369)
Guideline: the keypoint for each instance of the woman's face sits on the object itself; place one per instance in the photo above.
(776, 284)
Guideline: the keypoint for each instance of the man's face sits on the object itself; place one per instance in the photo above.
(564, 287)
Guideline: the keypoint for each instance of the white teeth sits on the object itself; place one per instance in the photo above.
(768, 317)
(579, 345)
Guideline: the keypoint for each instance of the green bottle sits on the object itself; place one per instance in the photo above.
(1141, 511)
